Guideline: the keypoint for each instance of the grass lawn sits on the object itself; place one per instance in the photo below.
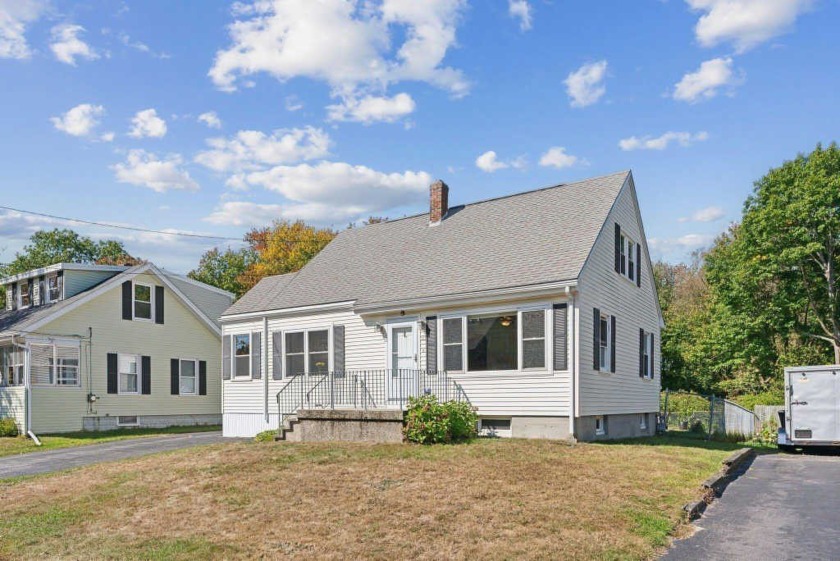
(22, 444)
(489, 499)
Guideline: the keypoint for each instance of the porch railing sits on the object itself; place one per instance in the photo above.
(364, 389)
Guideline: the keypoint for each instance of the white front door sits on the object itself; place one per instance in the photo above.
(402, 362)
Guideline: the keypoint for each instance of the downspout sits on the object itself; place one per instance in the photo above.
(573, 382)
(265, 366)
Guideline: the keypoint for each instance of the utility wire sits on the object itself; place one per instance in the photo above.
(120, 227)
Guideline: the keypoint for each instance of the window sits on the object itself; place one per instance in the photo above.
(605, 343)
(643, 421)
(493, 427)
(533, 339)
(631, 260)
(319, 351)
(600, 426)
(25, 291)
(492, 342)
(12, 364)
(67, 366)
(307, 352)
(188, 382)
(295, 353)
(242, 356)
(142, 301)
(627, 258)
(129, 374)
(623, 261)
(453, 344)
(648, 356)
(127, 421)
(54, 288)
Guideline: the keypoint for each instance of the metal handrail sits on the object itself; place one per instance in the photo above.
(364, 389)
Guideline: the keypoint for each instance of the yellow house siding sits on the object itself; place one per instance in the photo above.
(182, 335)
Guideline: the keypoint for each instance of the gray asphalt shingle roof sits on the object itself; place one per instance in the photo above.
(524, 239)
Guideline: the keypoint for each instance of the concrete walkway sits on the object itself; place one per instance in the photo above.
(784, 507)
(48, 461)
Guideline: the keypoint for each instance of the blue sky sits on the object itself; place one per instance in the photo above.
(211, 117)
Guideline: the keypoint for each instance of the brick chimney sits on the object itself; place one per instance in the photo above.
(438, 201)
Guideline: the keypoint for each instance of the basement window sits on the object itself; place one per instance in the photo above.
(127, 421)
(600, 426)
(495, 427)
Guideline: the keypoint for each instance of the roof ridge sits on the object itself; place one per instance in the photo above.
(500, 197)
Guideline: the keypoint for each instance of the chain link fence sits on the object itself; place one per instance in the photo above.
(705, 416)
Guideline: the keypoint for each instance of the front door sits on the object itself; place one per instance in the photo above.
(402, 363)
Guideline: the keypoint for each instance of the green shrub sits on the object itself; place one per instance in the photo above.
(428, 421)
(749, 401)
(697, 428)
(266, 436)
(8, 427)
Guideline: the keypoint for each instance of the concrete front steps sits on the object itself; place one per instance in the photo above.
(342, 425)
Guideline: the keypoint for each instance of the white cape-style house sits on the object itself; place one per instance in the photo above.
(538, 308)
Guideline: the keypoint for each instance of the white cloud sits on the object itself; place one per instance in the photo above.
(706, 81)
(126, 40)
(679, 247)
(146, 123)
(521, 10)
(15, 16)
(66, 45)
(556, 157)
(662, 142)
(585, 85)
(293, 104)
(745, 23)
(82, 121)
(708, 214)
(254, 150)
(211, 119)
(285, 38)
(488, 162)
(371, 109)
(147, 170)
(326, 193)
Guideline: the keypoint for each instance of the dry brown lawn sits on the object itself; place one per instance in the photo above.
(489, 499)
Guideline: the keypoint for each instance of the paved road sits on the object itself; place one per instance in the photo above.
(35, 463)
(785, 507)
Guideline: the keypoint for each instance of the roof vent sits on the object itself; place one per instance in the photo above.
(438, 201)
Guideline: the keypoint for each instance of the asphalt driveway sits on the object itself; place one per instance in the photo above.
(785, 507)
(35, 463)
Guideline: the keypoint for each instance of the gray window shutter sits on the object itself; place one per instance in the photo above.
(256, 356)
(652, 350)
(112, 373)
(431, 343)
(277, 355)
(202, 377)
(127, 300)
(612, 344)
(226, 357)
(561, 343)
(596, 339)
(174, 376)
(338, 348)
(641, 353)
(146, 369)
(617, 248)
(638, 264)
(159, 304)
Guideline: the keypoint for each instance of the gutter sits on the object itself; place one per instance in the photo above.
(419, 304)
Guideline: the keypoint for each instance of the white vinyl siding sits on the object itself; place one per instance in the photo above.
(623, 392)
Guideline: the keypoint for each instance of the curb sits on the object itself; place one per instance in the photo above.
(713, 487)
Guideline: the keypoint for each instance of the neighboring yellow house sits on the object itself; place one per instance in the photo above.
(89, 347)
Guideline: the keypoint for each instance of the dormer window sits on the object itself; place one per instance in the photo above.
(142, 301)
(53, 288)
(25, 291)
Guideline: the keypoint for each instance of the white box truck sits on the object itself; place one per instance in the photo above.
(812, 407)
